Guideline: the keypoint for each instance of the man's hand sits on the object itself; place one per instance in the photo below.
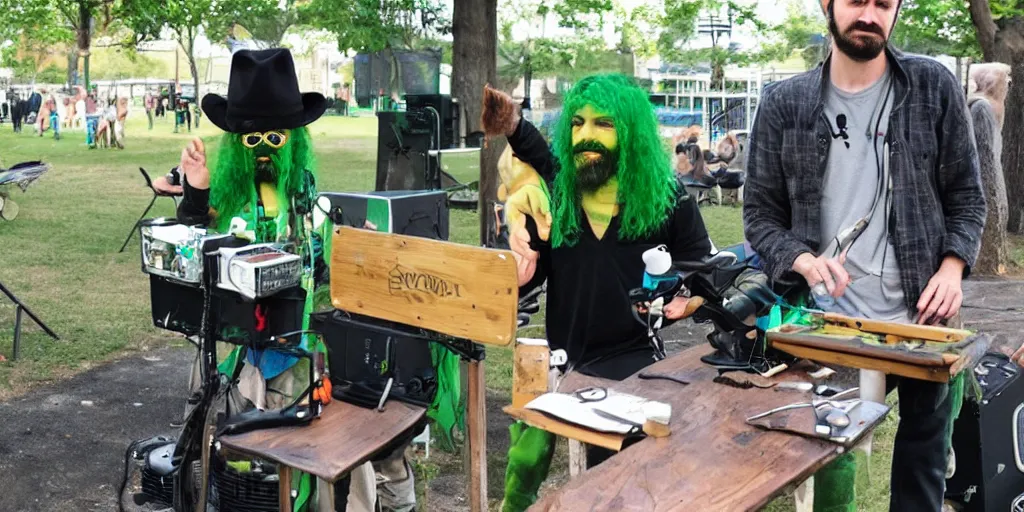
(500, 116)
(943, 296)
(193, 165)
(533, 201)
(1018, 356)
(823, 270)
(163, 186)
(526, 258)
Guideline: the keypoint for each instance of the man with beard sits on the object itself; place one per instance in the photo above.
(613, 195)
(604, 193)
(863, 179)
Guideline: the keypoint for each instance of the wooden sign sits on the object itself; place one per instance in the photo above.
(458, 290)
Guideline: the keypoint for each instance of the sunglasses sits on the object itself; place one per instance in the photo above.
(273, 139)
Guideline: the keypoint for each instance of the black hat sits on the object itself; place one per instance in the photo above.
(263, 94)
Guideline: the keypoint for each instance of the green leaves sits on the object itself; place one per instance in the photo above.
(373, 25)
(937, 27)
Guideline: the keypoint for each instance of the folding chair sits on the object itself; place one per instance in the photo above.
(156, 194)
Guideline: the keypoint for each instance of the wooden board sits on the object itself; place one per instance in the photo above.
(458, 290)
(566, 430)
(712, 461)
(912, 331)
(856, 346)
(344, 437)
(929, 373)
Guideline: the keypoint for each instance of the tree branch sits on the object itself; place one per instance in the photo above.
(981, 15)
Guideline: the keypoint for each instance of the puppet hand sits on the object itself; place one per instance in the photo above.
(164, 187)
(682, 307)
(529, 200)
(193, 165)
(499, 116)
(526, 258)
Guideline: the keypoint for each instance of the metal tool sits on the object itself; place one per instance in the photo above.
(614, 417)
(662, 376)
(590, 394)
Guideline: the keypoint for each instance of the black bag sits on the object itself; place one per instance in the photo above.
(364, 353)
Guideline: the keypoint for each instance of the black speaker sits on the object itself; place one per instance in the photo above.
(433, 112)
(987, 441)
(403, 159)
(368, 351)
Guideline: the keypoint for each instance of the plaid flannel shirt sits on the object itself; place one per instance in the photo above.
(938, 204)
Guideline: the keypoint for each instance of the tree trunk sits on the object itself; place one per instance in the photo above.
(994, 255)
(84, 37)
(474, 64)
(1013, 148)
(195, 82)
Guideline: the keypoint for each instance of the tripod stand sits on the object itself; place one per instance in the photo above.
(18, 308)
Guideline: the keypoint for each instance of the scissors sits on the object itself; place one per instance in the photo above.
(590, 394)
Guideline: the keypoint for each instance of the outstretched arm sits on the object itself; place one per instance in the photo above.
(501, 116)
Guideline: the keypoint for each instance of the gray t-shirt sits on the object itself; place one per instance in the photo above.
(850, 189)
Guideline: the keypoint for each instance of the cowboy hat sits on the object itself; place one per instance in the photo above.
(263, 94)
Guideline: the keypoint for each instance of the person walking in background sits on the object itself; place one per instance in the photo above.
(150, 104)
(343, 97)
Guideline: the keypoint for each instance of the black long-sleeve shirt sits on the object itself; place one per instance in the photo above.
(588, 309)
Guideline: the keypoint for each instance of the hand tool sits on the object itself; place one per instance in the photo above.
(662, 376)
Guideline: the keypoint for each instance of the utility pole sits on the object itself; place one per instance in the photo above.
(172, 96)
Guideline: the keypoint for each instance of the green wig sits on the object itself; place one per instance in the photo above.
(647, 183)
(233, 183)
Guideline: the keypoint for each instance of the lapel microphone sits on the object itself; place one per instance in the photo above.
(841, 125)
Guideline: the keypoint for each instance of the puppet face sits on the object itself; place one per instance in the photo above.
(265, 146)
(861, 28)
(595, 148)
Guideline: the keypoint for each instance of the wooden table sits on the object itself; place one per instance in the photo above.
(343, 438)
(712, 461)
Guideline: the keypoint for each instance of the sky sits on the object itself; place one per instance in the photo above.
(769, 11)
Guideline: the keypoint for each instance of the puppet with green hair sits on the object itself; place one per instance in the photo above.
(580, 214)
(263, 187)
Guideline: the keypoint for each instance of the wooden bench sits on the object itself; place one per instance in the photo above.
(712, 460)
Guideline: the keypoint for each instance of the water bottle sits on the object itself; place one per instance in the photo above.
(822, 297)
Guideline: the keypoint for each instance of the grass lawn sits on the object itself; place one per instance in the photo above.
(60, 255)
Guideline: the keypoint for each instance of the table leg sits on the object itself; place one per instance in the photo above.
(477, 425)
(804, 496)
(284, 488)
(577, 458)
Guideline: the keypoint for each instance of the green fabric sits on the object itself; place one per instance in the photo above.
(529, 460)
(447, 411)
(835, 487)
(957, 386)
(378, 211)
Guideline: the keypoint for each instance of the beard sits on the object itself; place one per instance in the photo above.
(266, 172)
(860, 48)
(591, 174)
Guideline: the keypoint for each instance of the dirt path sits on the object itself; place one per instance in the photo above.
(62, 446)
